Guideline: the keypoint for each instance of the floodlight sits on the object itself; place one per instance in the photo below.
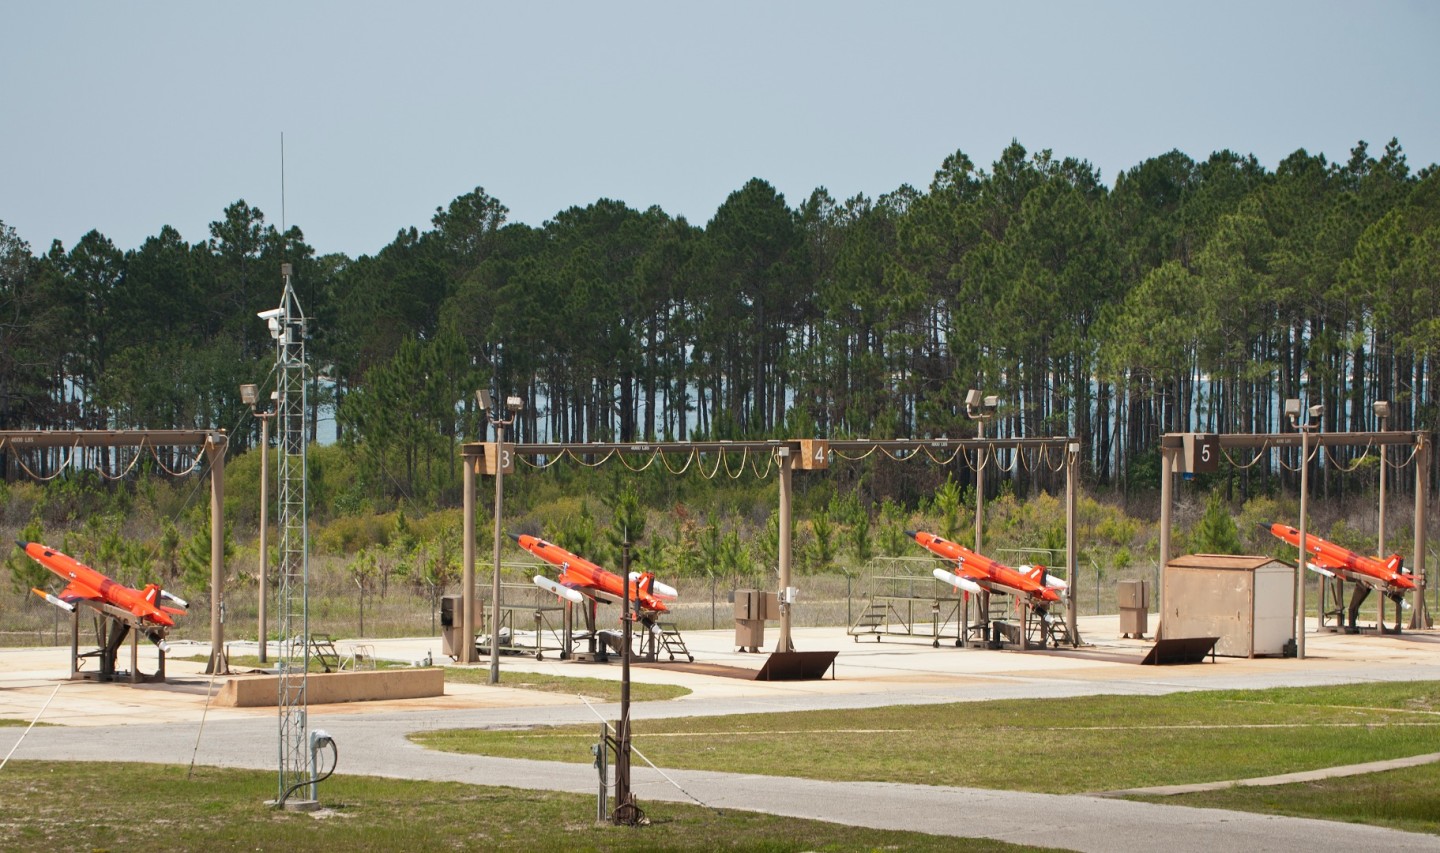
(972, 399)
(514, 404)
(249, 395)
(1292, 408)
(1315, 411)
(1382, 408)
(482, 399)
(992, 402)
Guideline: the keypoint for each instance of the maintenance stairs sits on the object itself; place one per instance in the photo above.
(672, 642)
(999, 625)
(652, 640)
(1048, 629)
(906, 606)
(322, 649)
(875, 619)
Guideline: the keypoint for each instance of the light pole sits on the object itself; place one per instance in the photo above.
(980, 409)
(513, 405)
(1312, 421)
(1382, 415)
(249, 395)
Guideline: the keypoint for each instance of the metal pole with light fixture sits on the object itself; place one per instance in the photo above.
(466, 651)
(1312, 421)
(784, 554)
(1420, 614)
(512, 405)
(1382, 416)
(495, 586)
(979, 409)
(250, 396)
(1072, 559)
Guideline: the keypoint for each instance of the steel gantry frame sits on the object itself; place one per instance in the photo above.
(1172, 446)
(783, 455)
(213, 443)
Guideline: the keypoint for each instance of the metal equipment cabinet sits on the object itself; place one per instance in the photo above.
(752, 608)
(1134, 599)
(451, 631)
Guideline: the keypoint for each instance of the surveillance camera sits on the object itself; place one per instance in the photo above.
(272, 314)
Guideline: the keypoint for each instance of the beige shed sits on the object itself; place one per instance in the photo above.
(1248, 602)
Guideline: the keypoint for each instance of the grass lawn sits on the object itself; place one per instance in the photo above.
(1061, 746)
(1399, 799)
(101, 806)
(601, 689)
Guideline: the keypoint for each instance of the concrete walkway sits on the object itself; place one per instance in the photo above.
(1282, 779)
(155, 724)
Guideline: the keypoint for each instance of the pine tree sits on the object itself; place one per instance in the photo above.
(1216, 533)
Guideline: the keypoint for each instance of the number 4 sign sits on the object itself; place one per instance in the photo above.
(814, 454)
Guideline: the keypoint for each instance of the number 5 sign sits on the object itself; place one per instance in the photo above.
(1202, 453)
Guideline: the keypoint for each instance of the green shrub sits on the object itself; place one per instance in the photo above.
(350, 533)
(1216, 533)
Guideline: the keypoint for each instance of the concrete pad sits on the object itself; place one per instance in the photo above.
(328, 688)
(96, 722)
(893, 670)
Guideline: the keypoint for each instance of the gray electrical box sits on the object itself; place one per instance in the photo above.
(1134, 599)
(451, 609)
(752, 608)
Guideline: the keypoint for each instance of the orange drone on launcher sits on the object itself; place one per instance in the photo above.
(86, 584)
(580, 578)
(1389, 575)
(977, 573)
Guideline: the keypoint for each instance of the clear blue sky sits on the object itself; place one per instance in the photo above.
(124, 117)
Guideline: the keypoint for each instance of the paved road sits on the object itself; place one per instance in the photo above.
(377, 746)
(374, 742)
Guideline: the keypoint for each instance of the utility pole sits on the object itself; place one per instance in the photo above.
(626, 812)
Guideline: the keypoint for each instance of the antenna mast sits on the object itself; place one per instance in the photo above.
(282, 193)
(288, 327)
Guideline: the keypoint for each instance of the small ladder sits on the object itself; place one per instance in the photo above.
(324, 651)
(869, 622)
(673, 643)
